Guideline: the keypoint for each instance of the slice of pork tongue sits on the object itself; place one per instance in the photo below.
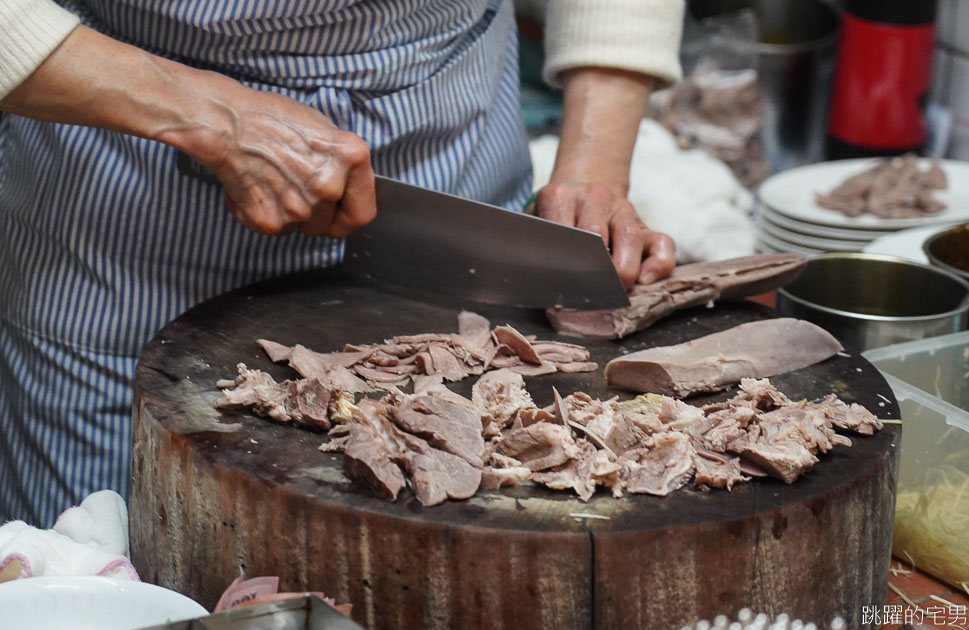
(436, 475)
(688, 285)
(752, 350)
(371, 451)
(445, 425)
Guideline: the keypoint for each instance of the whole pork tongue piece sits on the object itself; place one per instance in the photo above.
(752, 350)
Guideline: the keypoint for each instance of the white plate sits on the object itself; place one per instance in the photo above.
(814, 242)
(905, 244)
(813, 229)
(90, 603)
(791, 193)
(784, 247)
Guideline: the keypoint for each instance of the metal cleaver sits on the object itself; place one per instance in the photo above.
(447, 244)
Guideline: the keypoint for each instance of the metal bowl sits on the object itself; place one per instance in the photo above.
(870, 301)
(949, 249)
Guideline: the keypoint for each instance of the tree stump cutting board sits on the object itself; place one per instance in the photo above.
(214, 493)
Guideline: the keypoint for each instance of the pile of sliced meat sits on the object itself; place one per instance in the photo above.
(443, 445)
(474, 349)
(893, 189)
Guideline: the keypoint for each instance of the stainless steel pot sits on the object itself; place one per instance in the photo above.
(795, 59)
(949, 249)
(869, 301)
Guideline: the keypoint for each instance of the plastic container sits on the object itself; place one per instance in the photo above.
(930, 379)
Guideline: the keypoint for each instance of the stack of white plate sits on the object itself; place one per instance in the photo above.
(789, 220)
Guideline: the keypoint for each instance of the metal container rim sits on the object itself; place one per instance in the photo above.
(962, 308)
(935, 260)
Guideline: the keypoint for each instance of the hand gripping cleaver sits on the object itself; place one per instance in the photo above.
(447, 244)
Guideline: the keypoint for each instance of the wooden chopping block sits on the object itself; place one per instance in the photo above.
(213, 494)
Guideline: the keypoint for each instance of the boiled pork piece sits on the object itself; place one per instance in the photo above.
(709, 363)
(582, 473)
(539, 446)
(688, 285)
(662, 466)
(309, 402)
(368, 460)
(500, 395)
(444, 425)
(494, 478)
(853, 417)
(715, 470)
(435, 474)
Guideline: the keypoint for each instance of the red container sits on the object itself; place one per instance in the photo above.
(882, 76)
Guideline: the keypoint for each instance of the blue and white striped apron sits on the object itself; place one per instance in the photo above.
(103, 241)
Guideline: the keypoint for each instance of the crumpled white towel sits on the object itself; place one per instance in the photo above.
(90, 539)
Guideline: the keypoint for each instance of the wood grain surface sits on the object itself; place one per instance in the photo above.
(214, 493)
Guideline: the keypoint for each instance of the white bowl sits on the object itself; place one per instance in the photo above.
(90, 603)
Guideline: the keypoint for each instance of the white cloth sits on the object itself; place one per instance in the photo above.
(90, 539)
(689, 195)
(637, 35)
(30, 30)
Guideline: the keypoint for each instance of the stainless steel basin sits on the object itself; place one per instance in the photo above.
(869, 301)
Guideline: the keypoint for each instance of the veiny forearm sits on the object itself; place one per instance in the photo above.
(283, 164)
(602, 111)
(93, 80)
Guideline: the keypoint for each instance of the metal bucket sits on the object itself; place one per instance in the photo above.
(795, 59)
(869, 301)
(949, 249)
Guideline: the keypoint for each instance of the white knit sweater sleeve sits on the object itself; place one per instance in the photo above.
(637, 35)
(30, 30)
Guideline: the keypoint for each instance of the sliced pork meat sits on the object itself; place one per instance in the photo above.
(716, 471)
(311, 364)
(853, 417)
(616, 433)
(450, 427)
(894, 188)
(518, 343)
(590, 468)
(501, 394)
(446, 364)
(688, 285)
(782, 460)
(370, 461)
(539, 446)
(312, 403)
(472, 324)
(709, 363)
(662, 465)
(436, 475)
(534, 370)
(276, 352)
(494, 478)
(455, 357)
(560, 352)
(342, 378)
(575, 475)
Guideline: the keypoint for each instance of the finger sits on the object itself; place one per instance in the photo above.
(661, 259)
(556, 202)
(628, 245)
(596, 207)
(320, 219)
(359, 204)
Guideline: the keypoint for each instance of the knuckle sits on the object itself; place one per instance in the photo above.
(324, 186)
(353, 148)
(552, 193)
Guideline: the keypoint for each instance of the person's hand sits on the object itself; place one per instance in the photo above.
(640, 255)
(286, 165)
